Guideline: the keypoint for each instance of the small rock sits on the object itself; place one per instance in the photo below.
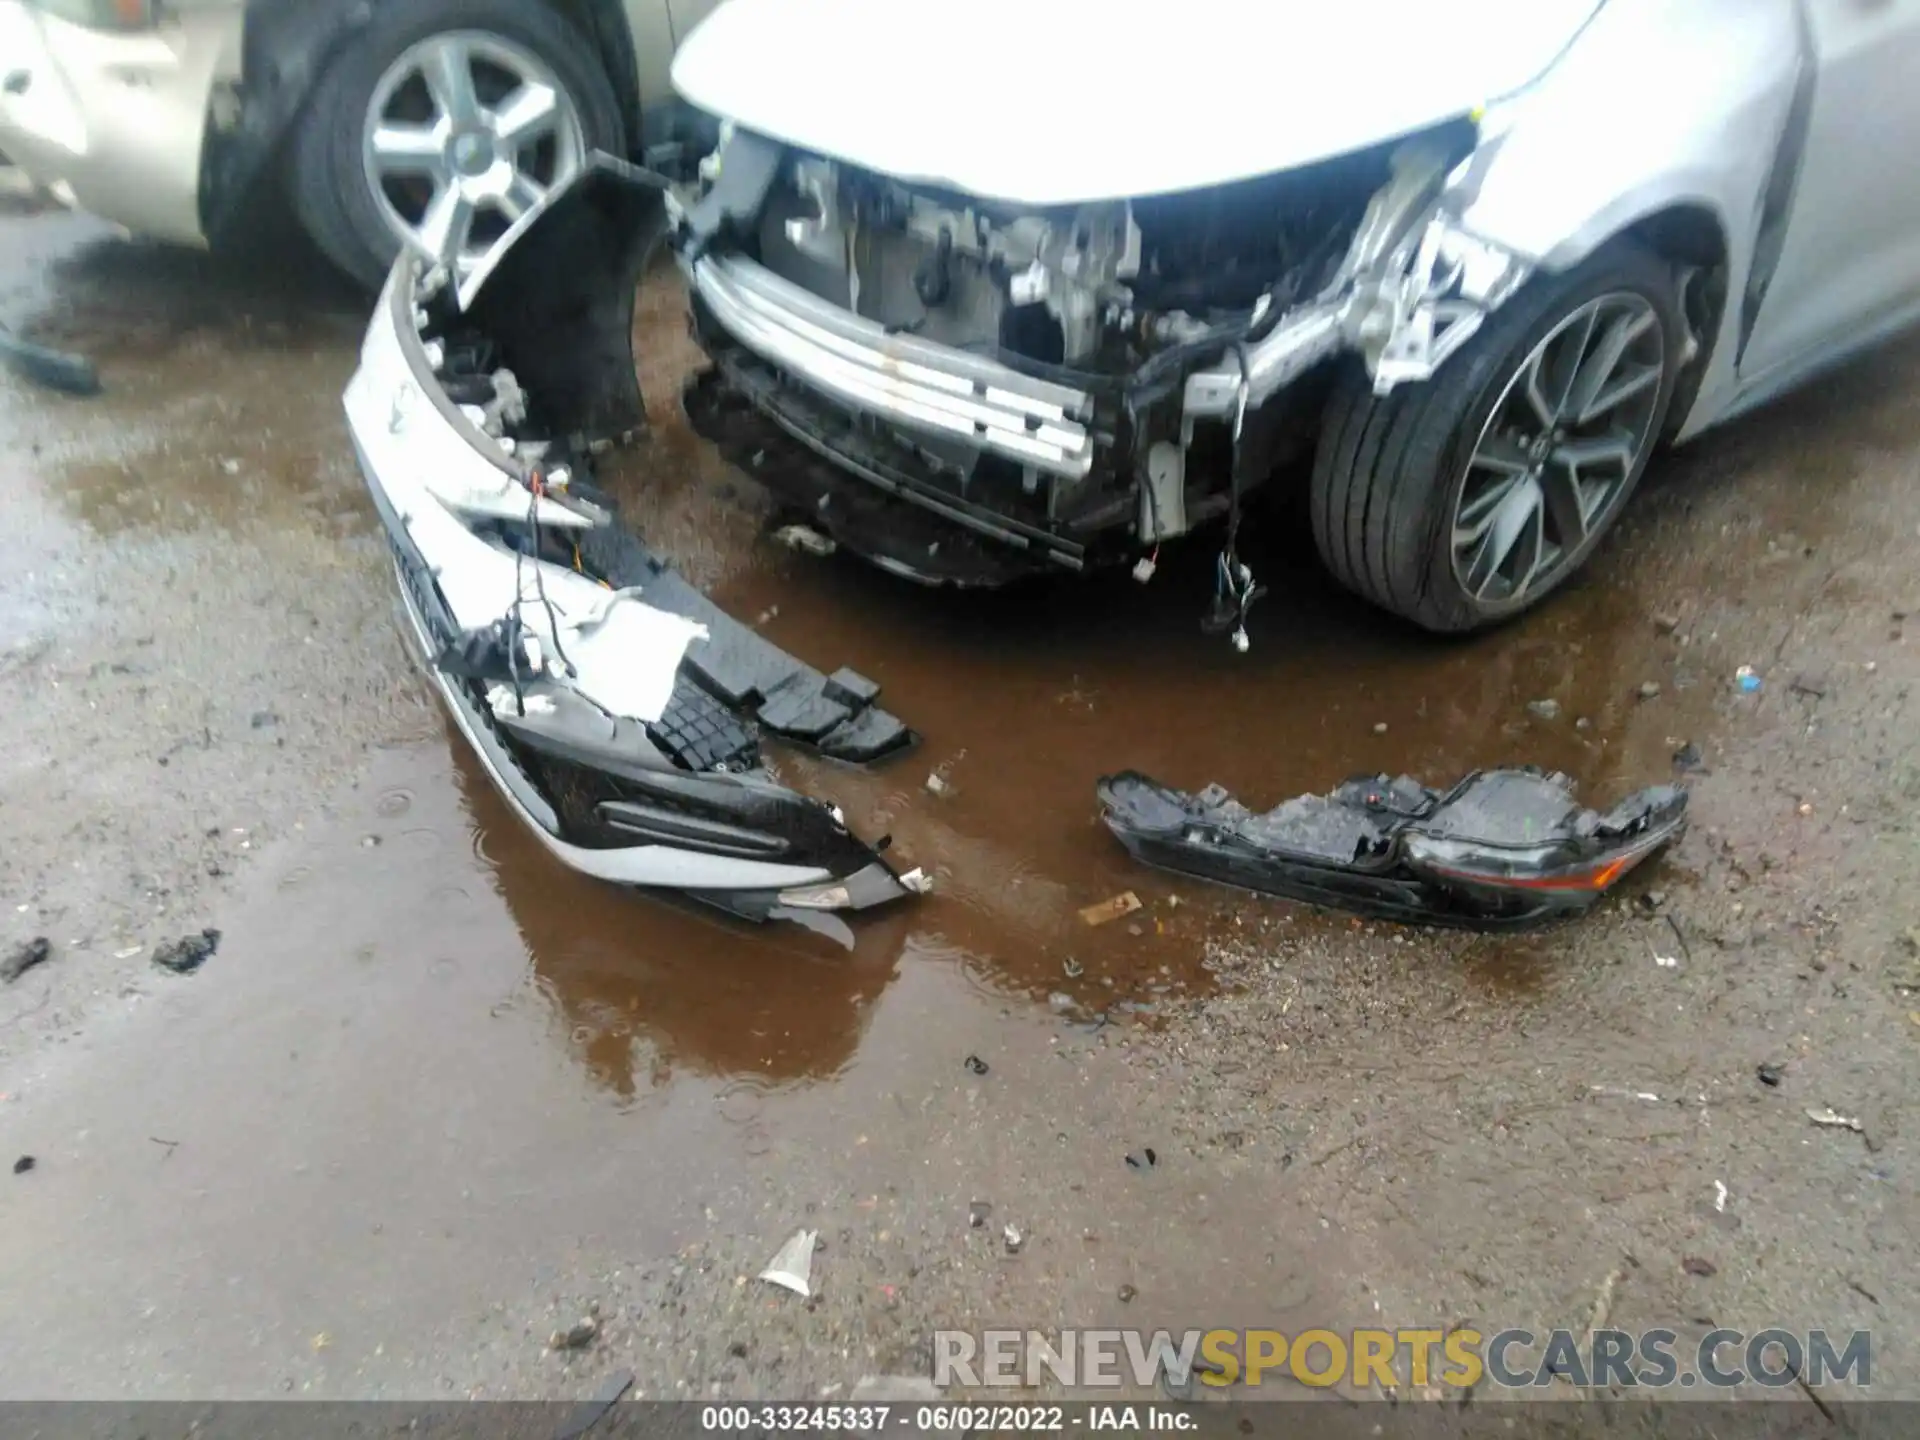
(24, 956)
(1135, 931)
(1696, 1265)
(937, 785)
(1544, 709)
(1583, 723)
(1649, 689)
(1804, 808)
(1127, 1292)
(23, 1164)
(1771, 1074)
(370, 842)
(976, 1065)
(1380, 728)
(1013, 1238)
(738, 1349)
(1687, 760)
(576, 1336)
(1665, 622)
(1652, 899)
(187, 954)
(263, 720)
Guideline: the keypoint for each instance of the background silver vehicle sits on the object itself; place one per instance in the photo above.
(1477, 260)
(436, 121)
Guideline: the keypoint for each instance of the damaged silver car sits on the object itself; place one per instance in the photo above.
(1028, 287)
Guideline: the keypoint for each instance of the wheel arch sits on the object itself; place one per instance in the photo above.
(1692, 236)
(286, 49)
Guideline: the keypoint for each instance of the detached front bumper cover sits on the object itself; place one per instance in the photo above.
(616, 708)
(1501, 850)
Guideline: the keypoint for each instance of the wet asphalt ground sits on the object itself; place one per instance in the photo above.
(434, 1098)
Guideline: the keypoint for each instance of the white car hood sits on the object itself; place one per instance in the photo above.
(1051, 102)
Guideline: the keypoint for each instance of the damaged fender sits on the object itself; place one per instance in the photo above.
(1501, 850)
(616, 708)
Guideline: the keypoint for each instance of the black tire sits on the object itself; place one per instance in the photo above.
(331, 194)
(1389, 471)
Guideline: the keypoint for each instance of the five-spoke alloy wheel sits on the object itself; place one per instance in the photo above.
(442, 123)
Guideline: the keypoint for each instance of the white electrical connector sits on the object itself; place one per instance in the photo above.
(1143, 569)
(1240, 640)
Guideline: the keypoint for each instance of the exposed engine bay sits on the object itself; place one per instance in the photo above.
(1066, 386)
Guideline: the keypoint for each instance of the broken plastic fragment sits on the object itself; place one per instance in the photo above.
(792, 1268)
(1107, 911)
(805, 539)
(1836, 1121)
(1502, 849)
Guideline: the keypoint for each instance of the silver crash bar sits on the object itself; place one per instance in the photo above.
(913, 381)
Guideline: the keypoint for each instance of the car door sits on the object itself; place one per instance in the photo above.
(1849, 257)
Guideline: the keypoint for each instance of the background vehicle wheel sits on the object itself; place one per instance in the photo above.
(443, 121)
(1463, 501)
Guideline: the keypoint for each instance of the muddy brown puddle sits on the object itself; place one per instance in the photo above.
(1023, 698)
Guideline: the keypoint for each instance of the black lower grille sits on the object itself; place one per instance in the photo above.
(697, 731)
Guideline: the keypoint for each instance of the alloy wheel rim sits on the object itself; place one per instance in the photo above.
(1559, 449)
(466, 133)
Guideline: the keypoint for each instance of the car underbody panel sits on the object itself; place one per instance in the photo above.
(1501, 850)
(615, 707)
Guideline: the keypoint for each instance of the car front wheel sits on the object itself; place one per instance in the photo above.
(1463, 501)
(440, 124)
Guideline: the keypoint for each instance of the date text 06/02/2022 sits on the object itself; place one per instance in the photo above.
(958, 1418)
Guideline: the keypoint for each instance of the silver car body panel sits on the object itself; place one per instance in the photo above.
(1115, 98)
(1659, 105)
(115, 123)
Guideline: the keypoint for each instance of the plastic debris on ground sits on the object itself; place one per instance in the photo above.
(792, 1267)
(1747, 679)
(805, 539)
(1013, 1238)
(589, 1412)
(187, 954)
(1107, 911)
(24, 956)
(1501, 850)
(1833, 1120)
(55, 369)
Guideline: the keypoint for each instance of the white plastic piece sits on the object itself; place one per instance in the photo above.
(1143, 569)
(792, 1268)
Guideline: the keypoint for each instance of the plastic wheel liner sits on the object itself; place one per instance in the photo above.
(616, 708)
(1501, 850)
